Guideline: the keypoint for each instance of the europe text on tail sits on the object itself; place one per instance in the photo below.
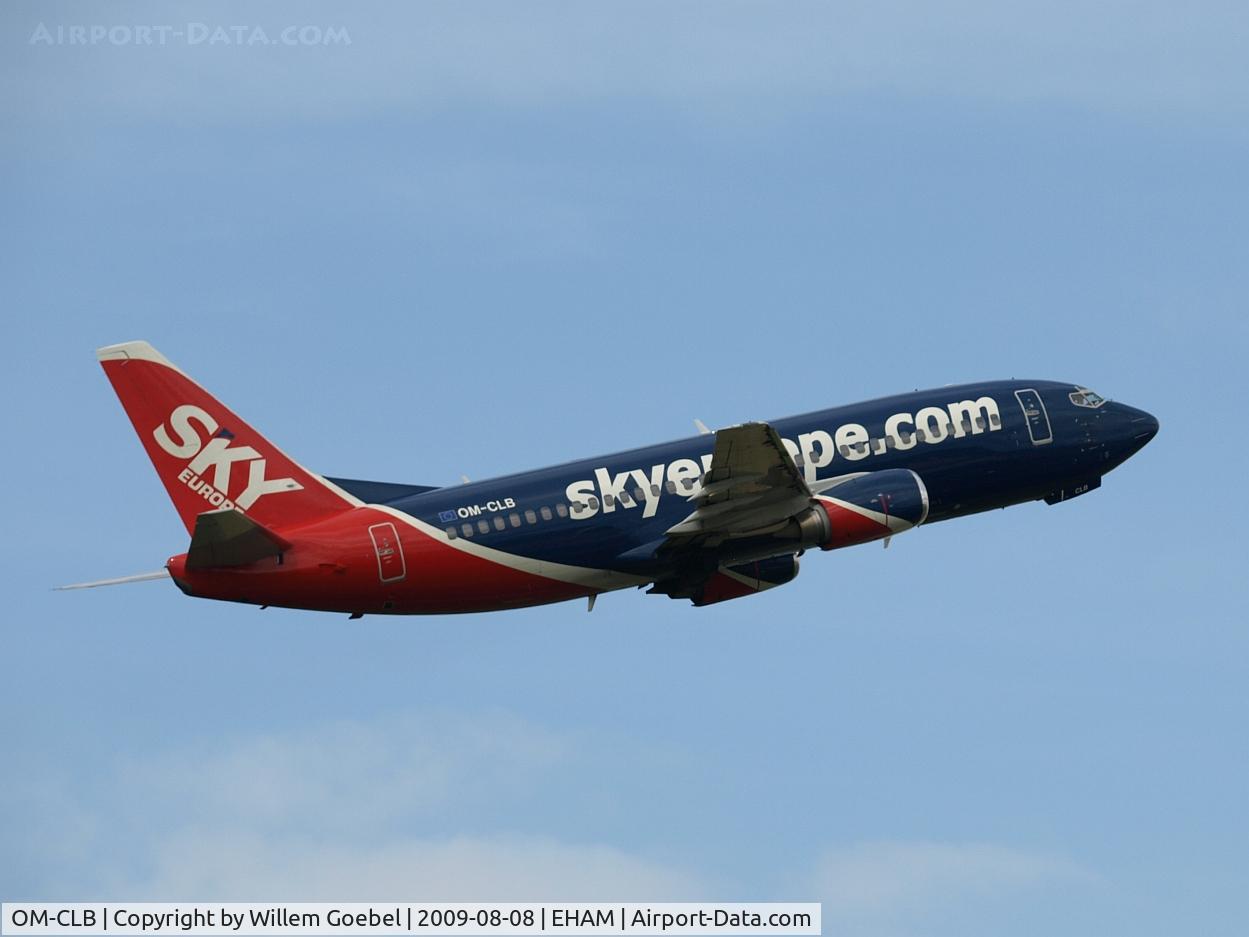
(712, 517)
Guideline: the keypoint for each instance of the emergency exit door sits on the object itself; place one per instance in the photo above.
(1037, 420)
(390, 564)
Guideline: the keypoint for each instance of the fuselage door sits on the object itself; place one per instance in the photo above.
(390, 564)
(1035, 417)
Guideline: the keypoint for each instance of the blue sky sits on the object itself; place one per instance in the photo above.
(484, 238)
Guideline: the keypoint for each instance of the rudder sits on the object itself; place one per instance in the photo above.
(206, 456)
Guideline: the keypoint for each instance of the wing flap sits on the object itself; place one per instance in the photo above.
(751, 484)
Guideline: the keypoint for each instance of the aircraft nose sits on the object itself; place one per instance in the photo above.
(1130, 429)
(1142, 426)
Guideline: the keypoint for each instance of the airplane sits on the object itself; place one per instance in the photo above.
(708, 518)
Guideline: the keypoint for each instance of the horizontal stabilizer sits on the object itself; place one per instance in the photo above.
(141, 577)
(230, 538)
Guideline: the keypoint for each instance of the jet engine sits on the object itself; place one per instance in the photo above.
(733, 582)
(872, 506)
(854, 509)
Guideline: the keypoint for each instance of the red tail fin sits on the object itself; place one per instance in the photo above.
(205, 455)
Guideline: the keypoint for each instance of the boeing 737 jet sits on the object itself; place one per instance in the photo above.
(713, 517)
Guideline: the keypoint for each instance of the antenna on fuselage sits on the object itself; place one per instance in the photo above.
(702, 427)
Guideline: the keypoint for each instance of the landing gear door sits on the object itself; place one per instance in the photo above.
(390, 564)
(1035, 417)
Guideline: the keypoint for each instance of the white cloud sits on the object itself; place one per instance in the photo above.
(884, 881)
(349, 775)
(419, 806)
(344, 810)
(243, 865)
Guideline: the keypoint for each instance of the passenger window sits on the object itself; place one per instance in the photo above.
(450, 533)
(593, 503)
(483, 526)
(609, 500)
(530, 517)
(655, 491)
(672, 487)
(546, 512)
(514, 519)
(467, 529)
(499, 523)
(561, 509)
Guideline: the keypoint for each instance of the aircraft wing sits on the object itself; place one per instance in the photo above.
(751, 487)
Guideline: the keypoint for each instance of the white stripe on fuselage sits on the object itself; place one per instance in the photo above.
(602, 580)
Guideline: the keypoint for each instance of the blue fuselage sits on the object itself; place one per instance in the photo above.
(975, 447)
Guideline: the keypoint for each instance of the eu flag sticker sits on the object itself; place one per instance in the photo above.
(445, 516)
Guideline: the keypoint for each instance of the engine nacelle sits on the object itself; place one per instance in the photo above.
(733, 582)
(872, 506)
(857, 509)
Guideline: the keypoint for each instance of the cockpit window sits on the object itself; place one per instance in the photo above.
(1083, 397)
